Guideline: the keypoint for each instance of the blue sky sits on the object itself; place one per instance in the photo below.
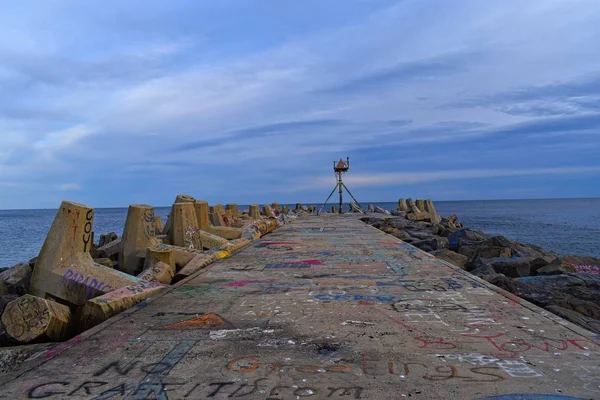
(118, 102)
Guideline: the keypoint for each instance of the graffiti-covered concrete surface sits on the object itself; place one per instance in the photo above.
(325, 308)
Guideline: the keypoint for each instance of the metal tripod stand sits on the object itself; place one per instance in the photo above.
(340, 168)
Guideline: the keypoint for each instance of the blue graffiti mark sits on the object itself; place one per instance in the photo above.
(152, 384)
(527, 396)
(452, 284)
(297, 265)
(356, 297)
(397, 269)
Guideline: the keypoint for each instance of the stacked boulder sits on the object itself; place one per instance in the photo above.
(73, 284)
(558, 284)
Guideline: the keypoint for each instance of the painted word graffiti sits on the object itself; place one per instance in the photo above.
(87, 231)
(71, 279)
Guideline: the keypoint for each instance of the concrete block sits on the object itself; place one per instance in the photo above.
(430, 208)
(235, 212)
(30, 318)
(185, 231)
(70, 233)
(181, 255)
(312, 208)
(218, 208)
(138, 234)
(102, 308)
(268, 211)
(159, 272)
(79, 279)
(286, 209)
(205, 225)
(110, 250)
(199, 262)
(298, 207)
(16, 279)
(334, 209)
(275, 206)
(420, 203)
(254, 211)
(158, 225)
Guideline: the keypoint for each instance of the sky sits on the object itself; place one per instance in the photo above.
(119, 102)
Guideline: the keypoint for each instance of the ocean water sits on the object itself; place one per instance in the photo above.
(566, 226)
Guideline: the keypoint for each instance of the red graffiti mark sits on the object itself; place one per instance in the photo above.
(520, 346)
(265, 244)
(48, 354)
(248, 282)
(200, 322)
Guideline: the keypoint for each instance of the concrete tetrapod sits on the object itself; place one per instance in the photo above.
(31, 318)
(110, 250)
(79, 279)
(275, 206)
(185, 231)
(16, 279)
(202, 213)
(216, 219)
(157, 254)
(181, 198)
(433, 215)
(420, 203)
(70, 233)
(234, 209)
(402, 205)
(102, 308)
(267, 211)
(159, 272)
(412, 207)
(196, 264)
(158, 225)
(181, 255)
(254, 211)
(138, 234)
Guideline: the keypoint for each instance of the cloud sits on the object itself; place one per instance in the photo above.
(236, 100)
(399, 178)
(434, 68)
(62, 139)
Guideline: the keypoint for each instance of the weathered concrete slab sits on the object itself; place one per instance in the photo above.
(325, 307)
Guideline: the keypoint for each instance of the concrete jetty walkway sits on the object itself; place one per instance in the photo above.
(325, 308)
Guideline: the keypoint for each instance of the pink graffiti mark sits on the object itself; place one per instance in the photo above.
(311, 262)
(592, 269)
(48, 354)
(265, 244)
(248, 282)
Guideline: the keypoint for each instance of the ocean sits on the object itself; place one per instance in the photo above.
(566, 226)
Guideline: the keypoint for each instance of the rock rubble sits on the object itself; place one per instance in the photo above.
(568, 286)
